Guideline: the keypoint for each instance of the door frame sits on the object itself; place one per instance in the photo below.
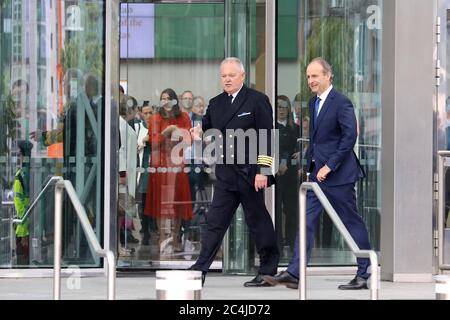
(440, 106)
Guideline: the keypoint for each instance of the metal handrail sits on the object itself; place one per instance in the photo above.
(344, 232)
(90, 235)
(36, 200)
(441, 211)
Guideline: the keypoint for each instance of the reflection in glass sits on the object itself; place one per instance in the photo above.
(348, 35)
(51, 63)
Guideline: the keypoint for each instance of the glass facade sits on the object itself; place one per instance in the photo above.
(52, 62)
(348, 35)
(51, 88)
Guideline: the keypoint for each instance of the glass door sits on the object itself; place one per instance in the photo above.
(170, 53)
(348, 34)
(51, 123)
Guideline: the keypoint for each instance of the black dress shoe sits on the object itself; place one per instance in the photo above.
(356, 284)
(257, 281)
(283, 278)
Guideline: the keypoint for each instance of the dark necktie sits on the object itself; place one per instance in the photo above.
(316, 108)
(230, 99)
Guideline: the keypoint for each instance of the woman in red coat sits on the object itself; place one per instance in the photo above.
(168, 194)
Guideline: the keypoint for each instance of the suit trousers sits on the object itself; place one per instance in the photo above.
(220, 214)
(343, 200)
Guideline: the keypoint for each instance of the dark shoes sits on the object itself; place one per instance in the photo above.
(356, 284)
(282, 278)
(257, 281)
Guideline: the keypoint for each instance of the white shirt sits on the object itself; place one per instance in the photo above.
(235, 94)
(323, 97)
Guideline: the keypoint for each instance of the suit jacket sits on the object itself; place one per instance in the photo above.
(249, 110)
(332, 138)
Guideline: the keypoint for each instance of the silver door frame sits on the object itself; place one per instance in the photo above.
(441, 57)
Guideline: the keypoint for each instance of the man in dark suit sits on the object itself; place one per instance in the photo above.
(239, 182)
(334, 166)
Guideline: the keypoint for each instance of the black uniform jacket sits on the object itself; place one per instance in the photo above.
(249, 110)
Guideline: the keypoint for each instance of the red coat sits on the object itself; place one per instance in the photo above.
(168, 193)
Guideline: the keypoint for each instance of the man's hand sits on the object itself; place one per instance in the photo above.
(323, 172)
(196, 132)
(260, 182)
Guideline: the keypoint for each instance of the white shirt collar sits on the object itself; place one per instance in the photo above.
(284, 123)
(324, 95)
(236, 93)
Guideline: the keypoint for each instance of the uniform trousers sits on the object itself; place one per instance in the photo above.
(223, 207)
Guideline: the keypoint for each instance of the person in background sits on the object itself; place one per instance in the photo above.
(144, 161)
(197, 174)
(132, 112)
(199, 106)
(286, 177)
(21, 198)
(127, 176)
(187, 100)
(168, 195)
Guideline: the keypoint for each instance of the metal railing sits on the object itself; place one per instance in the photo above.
(444, 161)
(374, 282)
(62, 184)
(90, 235)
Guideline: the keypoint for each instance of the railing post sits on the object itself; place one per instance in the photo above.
(110, 260)
(374, 275)
(59, 188)
(302, 244)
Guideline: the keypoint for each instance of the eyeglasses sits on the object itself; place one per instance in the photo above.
(187, 99)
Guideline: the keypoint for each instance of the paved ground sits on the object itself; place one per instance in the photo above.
(217, 287)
